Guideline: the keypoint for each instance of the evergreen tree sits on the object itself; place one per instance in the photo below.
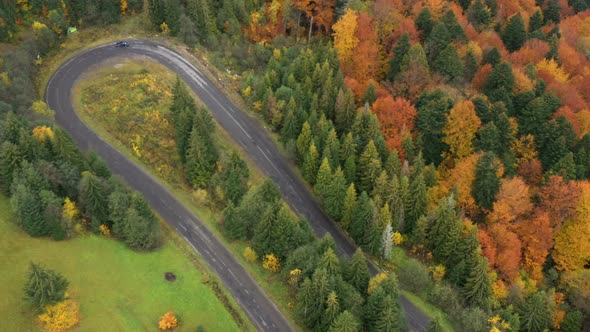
(534, 314)
(348, 207)
(478, 289)
(345, 322)
(444, 233)
(393, 164)
(361, 217)
(330, 263)
(304, 141)
(437, 41)
(470, 66)
(500, 82)
(27, 207)
(536, 21)
(188, 32)
(10, 159)
(357, 272)
(432, 111)
(391, 318)
(199, 168)
(97, 165)
(347, 147)
(371, 240)
(234, 227)
(448, 62)
(479, 15)
(334, 201)
(350, 172)
(424, 23)
(369, 167)
(399, 51)
(573, 322)
(93, 199)
(552, 13)
(331, 312)
(486, 183)
(374, 308)
(200, 12)
(418, 198)
(345, 110)
(311, 163)
(323, 180)
(172, 16)
(465, 4)
(65, 149)
(263, 234)
(140, 232)
(566, 167)
(370, 95)
(455, 29)
(491, 56)
(44, 287)
(514, 34)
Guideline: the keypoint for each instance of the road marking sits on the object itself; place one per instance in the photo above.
(181, 225)
(267, 158)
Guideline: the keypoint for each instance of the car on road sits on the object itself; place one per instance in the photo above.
(121, 44)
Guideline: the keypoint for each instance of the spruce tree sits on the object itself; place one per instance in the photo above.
(361, 217)
(486, 183)
(27, 207)
(536, 21)
(470, 66)
(478, 289)
(479, 15)
(552, 13)
(357, 272)
(424, 23)
(183, 126)
(93, 199)
(348, 207)
(448, 62)
(573, 322)
(347, 147)
(10, 159)
(418, 199)
(374, 308)
(371, 240)
(234, 178)
(172, 16)
(514, 34)
(332, 149)
(369, 167)
(323, 180)
(331, 312)
(233, 225)
(304, 141)
(311, 163)
(140, 232)
(534, 314)
(334, 201)
(437, 41)
(370, 95)
(391, 318)
(44, 287)
(455, 29)
(198, 169)
(399, 51)
(330, 262)
(345, 110)
(345, 322)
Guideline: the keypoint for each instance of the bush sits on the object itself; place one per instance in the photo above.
(446, 298)
(60, 317)
(414, 277)
(250, 255)
(168, 321)
(271, 263)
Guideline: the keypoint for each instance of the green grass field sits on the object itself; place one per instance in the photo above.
(118, 289)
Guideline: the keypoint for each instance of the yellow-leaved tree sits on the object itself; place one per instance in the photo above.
(168, 321)
(345, 39)
(60, 317)
(42, 133)
(375, 282)
(271, 263)
(460, 129)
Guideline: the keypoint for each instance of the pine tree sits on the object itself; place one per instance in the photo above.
(304, 141)
(536, 21)
(331, 312)
(479, 15)
(418, 198)
(361, 217)
(391, 318)
(478, 289)
(10, 159)
(399, 51)
(345, 322)
(311, 163)
(172, 16)
(44, 287)
(93, 199)
(372, 236)
(370, 95)
(334, 201)
(514, 34)
(330, 262)
(198, 167)
(348, 207)
(424, 23)
(183, 126)
(374, 308)
(491, 56)
(534, 314)
(573, 322)
(347, 147)
(470, 66)
(140, 231)
(369, 167)
(455, 29)
(501, 78)
(200, 12)
(345, 110)
(357, 272)
(27, 207)
(437, 41)
(486, 183)
(234, 178)
(553, 12)
(448, 62)
(465, 4)
(323, 180)
(233, 225)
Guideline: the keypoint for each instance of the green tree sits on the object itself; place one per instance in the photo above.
(434, 326)
(362, 216)
(331, 312)
(424, 23)
(27, 208)
(455, 29)
(304, 141)
(486, 183)
(357, 272)
(336, 196)
(479, 15)
(345, 110)
(330, 262)
(198, 169)
(470, 66)
(514, 34)
(491, 56)
(437, 41)
(399, 51)
(44, 287)
(369, 167)
(370, 95)
(311, 163)
(323, 180)
(448, 62)
(10, 159)
(93, 199)
(234, 178)
(573, 322)
(348, 207)
(140, 232)
(345, 322)
(433, 108)
(418, 199)
(188, 32)
(536, 21)
(200, 12)
(478, 289)
(534, 314)
(552, 12)
(500, 80)
(172, 16)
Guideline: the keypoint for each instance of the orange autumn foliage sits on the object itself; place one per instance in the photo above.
(168, 321)
(365, 58)
(559, 199)
(508, 251)
(532, 51)
(488, 246)
(512, 202)
(531, 171)
(481, 76)
(461, 177)
(397, 117)
(536, 235)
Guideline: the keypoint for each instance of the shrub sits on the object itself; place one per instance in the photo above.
(168, 321)
(375, 282)
(271, 263)
(414, 277)
(250, 255)
(60, 317)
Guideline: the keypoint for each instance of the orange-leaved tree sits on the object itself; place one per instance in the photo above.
(397, 117)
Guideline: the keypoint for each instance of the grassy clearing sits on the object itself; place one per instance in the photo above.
(118, 289)
(110, 82)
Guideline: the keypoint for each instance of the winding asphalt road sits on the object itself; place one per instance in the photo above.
(246, 131)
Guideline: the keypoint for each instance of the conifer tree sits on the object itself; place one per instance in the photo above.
(348, 147)
(311, 163)
(418, 199)
(391, 318)
(348, 207)
(370, 95)
(198, 167)
(304, 141)
(172, 16)
(345, 322)
(399, 51)
(534, 314)
(448, 62)
(323, 181)
(336, 195)
(514, 34)
(10, 159)
(470, 66)
(350, 170)
(234, 178)
(455, 29)
(331, 312)
(361, 217)
(369, 167)
(372, 236)
(357, 272)
(424, 23)
(374, 308)
(437, 41)
(478, 289)
(479, 15)
(344, 110)
(491, 56)
(536, 21)
(183, 126)
(93, 199)
(27, 208)
(141, 231)
(332, 149)
(486, 183)
(233, 225)
(330, 262)
(44, 287)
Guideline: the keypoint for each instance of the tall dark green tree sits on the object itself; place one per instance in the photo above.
(514, 34)
(345, 322)
(399, 51)
(455, 29)
(369, 167)
(486, 183)
(432, 112)
(448, 62)
(361, 217)
(424, 23)
(27, 207)
(44, 287)
(172, 16)
(334, 200)
(534, 313)
(345, 110)
(437, 41)
(234, 178)
(478, 289)
(93, 199)
(10, 159)
(470, 66)
(536, 21)
(357, 272)
(331, 312)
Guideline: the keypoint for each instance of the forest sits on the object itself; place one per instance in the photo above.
(457, 130)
